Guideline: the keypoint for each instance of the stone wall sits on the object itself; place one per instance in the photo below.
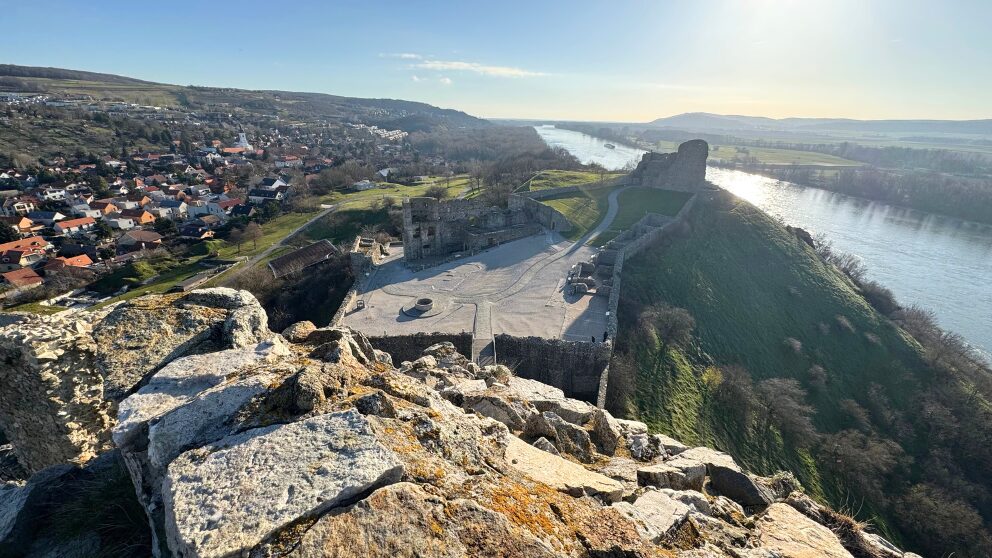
(434, 229)
(553, 192)
(684, 170)
(544, 215)
(411, 347)
(575, 367)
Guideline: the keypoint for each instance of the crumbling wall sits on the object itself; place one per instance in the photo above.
(575, 367)
(684, 170)
(411, 347)
(544, 215)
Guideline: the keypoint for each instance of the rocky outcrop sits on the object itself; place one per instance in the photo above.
(64, 375)
(319, 446)
(684, 170)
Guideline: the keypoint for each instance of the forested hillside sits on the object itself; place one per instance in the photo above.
(740, 335)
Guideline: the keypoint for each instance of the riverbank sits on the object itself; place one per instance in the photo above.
(956, 197)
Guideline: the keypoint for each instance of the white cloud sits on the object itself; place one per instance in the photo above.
(401, 55)
(445, 80)
(475, 67)
(416, 78)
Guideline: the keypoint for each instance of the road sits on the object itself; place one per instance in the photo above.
(230, 275)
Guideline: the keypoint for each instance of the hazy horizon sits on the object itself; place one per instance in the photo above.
(625, 62)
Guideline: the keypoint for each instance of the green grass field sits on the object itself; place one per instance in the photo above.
(635, 203)
(584, 209)
(559, 178)
(769, 156)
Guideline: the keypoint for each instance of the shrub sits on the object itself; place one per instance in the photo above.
(879, 297)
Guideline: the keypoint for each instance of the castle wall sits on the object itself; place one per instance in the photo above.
(576, 367)
(411, 347)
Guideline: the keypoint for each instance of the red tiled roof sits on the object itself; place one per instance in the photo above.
(22, 277)
(25, 244)
(76, 222)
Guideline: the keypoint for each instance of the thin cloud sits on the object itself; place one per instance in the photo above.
(401, 55)
(416, 78)
(475, 67)
(446, 81)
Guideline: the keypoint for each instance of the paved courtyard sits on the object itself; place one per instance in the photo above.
(517, 288)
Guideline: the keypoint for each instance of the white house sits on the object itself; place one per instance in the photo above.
(120, 222)
(54, 194)
(206, 207)
(75, 226)
(363, 185)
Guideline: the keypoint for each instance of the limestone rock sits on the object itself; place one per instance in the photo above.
(571, 410)
(631, 427)
(655, 513)
(52, 405)
(558, 473)
(671, 445)
(606, 431)
(428, 525)
(784, 530)
(375, 404)
(180, 381)
(494, 407)
(298, 332)
(682, 475)
(544, 444)
(571, 439)
(725, 476)
(142, 335)
(644, 447)
(225, 499)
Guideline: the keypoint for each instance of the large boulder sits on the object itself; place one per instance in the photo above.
(725, 476)
(681, 475)
(227, 498)
(144, 334)
(560, 474)
(655, 513)
(790, 534)
(52, 405)
(428, 525)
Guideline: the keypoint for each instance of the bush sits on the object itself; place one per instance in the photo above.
(879, 297)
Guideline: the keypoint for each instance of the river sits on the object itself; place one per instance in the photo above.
(936, 262)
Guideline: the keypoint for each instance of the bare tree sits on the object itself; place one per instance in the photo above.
(252, 232)
(784, 403)
(236, 237)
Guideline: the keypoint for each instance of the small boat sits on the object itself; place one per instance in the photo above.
(610, 146)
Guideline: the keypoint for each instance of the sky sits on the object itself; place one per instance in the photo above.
(615, 60)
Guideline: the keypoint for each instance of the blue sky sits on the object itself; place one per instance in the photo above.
(579, 59)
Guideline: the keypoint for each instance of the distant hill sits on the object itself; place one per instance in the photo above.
(391, 113)
(737, 123)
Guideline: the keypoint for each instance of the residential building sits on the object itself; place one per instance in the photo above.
(75, 226)
(258, 195)
(22, 278)
(139, 240)
(47, 218)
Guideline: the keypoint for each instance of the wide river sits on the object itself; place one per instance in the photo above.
(936, 262)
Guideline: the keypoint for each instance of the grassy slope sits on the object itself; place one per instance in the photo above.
(559, 178)
(750, 285)
(635, 203)
(584, 209)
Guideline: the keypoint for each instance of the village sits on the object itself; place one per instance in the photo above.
(75, 220)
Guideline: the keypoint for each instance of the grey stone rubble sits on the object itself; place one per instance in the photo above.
(318, 446)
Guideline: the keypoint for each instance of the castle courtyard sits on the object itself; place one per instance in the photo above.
(517, 288)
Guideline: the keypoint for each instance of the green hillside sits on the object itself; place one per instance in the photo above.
(765, 307)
